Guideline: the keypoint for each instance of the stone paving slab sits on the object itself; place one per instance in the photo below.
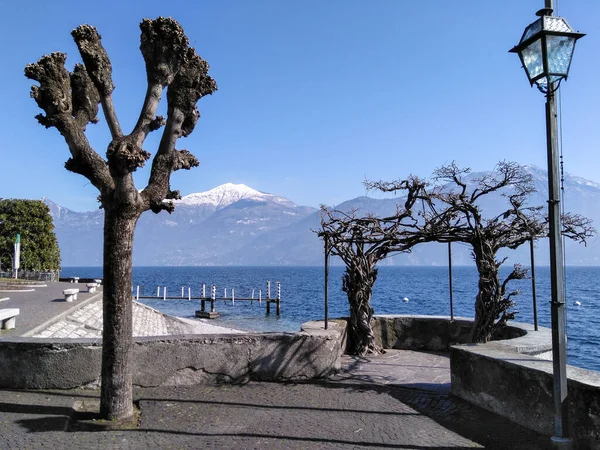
(293, 416)
(418, 370)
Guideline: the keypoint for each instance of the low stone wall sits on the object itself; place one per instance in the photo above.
(429, 333)
(511, 379)
(29, 363)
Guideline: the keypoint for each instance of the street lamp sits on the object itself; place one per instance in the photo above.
(546, 49)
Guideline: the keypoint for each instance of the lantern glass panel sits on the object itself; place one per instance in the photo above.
(542, 83)
(560, 51)
(532, 29)
(533, 59)
(553, 23)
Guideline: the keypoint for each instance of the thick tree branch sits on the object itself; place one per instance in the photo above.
(99, 68)
(61, 101)
(190, 83)
(163, 46)
(85, 97)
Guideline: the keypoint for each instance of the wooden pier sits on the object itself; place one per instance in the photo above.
(212, 299)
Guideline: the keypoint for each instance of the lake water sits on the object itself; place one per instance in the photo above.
(425, 287)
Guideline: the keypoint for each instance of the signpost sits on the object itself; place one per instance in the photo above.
(17, 258)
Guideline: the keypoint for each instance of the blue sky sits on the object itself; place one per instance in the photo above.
(314, 95)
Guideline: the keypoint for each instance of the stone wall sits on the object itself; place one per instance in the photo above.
(430, 333)
(520, 386)
(29, 363)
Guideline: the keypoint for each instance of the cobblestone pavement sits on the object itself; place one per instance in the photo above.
(354, 410)
(86, 322)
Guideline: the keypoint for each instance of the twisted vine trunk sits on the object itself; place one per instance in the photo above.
(357, 283)
(116, 398)
(490, 302)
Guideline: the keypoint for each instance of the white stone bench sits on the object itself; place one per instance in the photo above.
(91, 287)
(74, 280)
(8, 317)
(70, 294)
(98, 281)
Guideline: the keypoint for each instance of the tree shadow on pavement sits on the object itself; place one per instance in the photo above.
(470, 421)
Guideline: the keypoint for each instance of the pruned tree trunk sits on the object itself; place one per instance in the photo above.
(70, 101)
(116, 399)
(358, 283)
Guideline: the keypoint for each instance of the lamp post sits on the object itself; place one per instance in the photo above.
(546, 49)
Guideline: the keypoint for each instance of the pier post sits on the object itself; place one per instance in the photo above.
(189, 293)
(213, 297)
(278, 298)
(165, 293)
(232, 296)
(268, 297)
(137, 293)
(260, 296)
(158, 291)
(212, 314)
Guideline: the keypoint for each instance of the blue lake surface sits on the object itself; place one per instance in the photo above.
(427, 288)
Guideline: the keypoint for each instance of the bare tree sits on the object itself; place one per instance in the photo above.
(361, 242)
(70, 101)
(451, 212)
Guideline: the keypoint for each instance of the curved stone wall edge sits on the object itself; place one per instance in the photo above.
(510, 378)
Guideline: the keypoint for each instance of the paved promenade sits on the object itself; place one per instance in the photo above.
(45, 314)
(397, 400)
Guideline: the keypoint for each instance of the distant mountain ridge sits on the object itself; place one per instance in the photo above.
(234, 224)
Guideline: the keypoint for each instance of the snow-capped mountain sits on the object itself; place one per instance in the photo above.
(237, 225)
(229, 193)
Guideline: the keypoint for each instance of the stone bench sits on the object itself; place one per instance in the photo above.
(98, 281)
(73, 279)
(8, 317)
(91, 287)
(70, 294)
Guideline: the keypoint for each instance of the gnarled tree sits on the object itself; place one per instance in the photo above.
(361, 242)
(451, 212)
(70, 101)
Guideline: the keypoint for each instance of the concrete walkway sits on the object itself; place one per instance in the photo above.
(396, 400)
